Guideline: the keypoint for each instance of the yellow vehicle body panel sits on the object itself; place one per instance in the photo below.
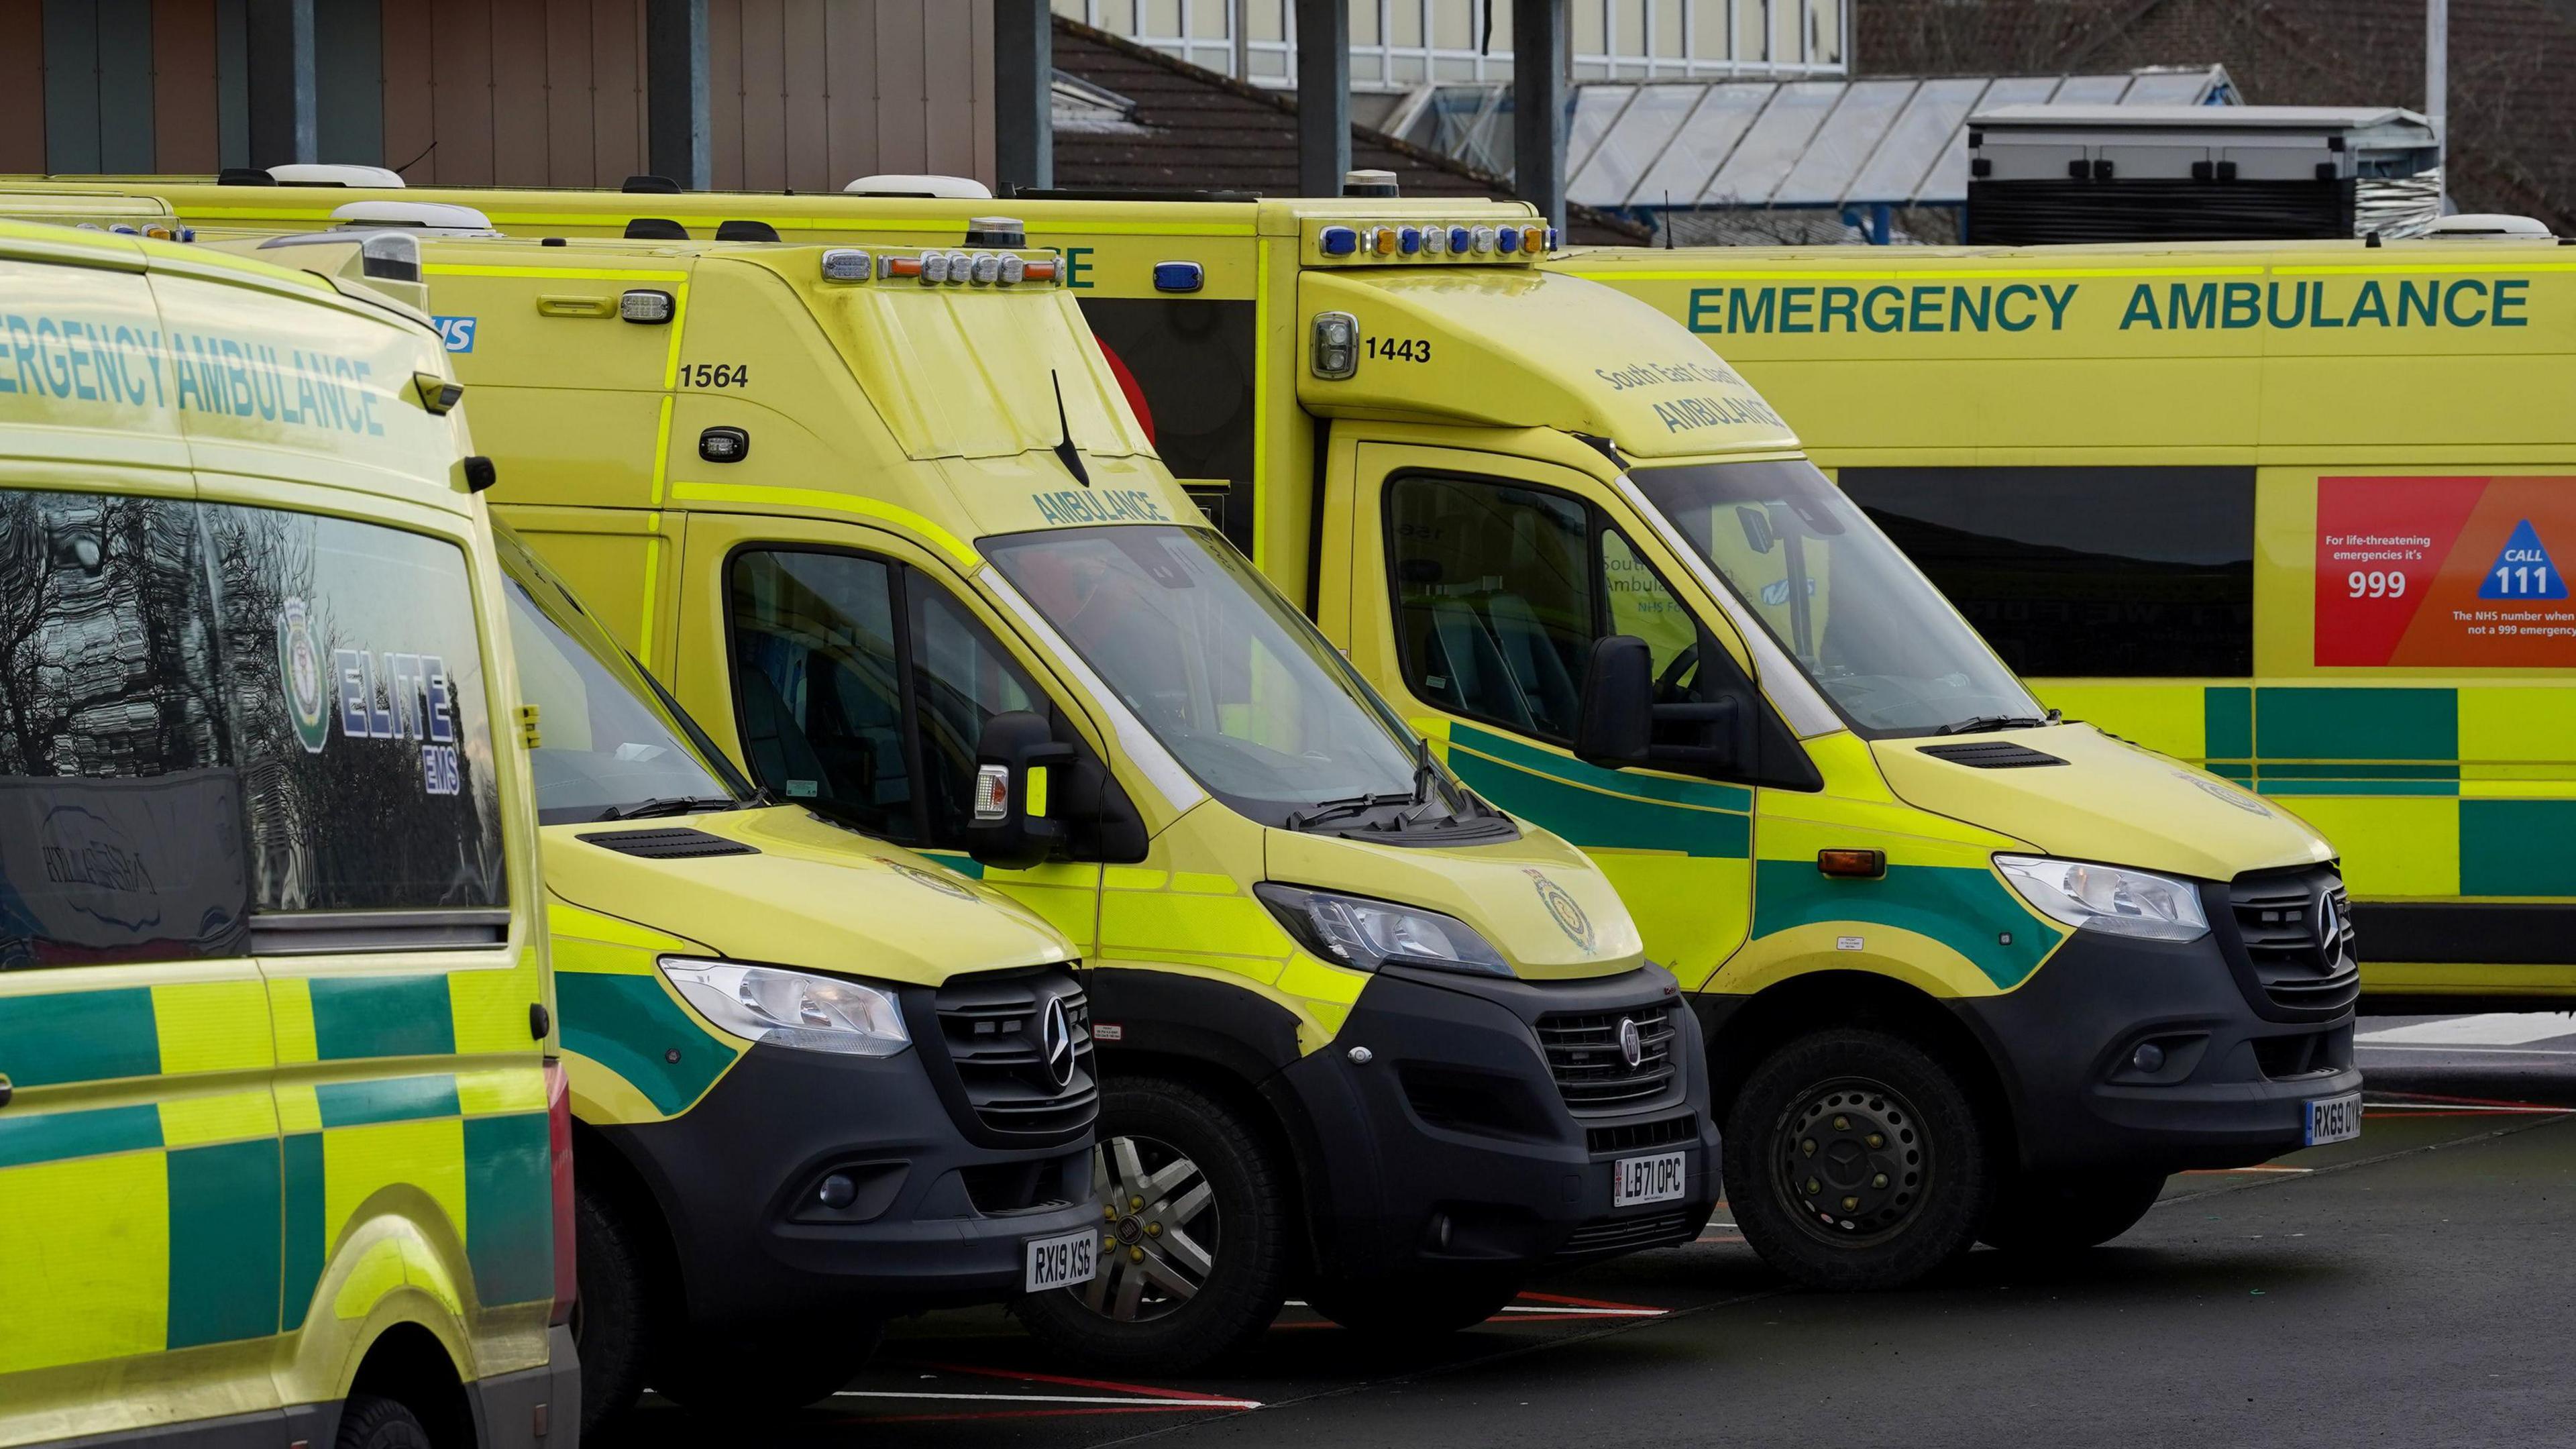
(228, 1177)
(2444, 774)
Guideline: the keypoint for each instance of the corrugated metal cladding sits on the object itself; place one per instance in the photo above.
(804, 94)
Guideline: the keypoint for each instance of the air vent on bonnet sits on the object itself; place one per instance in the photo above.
(1991, 755)
(673, 843)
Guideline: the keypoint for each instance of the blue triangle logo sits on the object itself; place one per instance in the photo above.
(2523, 569)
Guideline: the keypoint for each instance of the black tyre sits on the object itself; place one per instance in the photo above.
(617, 1318)
(1195, 1235)
(775, 1372)
(1410, 1310)
(372, 1421)
(1857, 1161)
(2044, 1213)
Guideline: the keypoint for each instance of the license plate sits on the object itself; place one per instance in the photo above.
(1663, 1177)
(2334, 1119)
(1063, 1261)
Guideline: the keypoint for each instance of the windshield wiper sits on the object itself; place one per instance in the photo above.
(1426, 771)
(670, 805)
(1335, 809)
(1988, 723)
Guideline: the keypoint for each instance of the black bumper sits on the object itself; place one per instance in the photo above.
(2235, 1081)
(1453, 1147)
(936, 1219)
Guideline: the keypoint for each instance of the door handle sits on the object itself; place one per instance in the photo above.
(5, 1090)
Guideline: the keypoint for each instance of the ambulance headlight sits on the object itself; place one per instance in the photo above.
(1368, 934)
(2112, 899)
(791, 1008)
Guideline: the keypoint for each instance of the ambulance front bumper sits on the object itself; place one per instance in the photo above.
(1477, 1125)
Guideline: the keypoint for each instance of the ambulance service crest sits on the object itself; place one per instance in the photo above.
(299, 670)
(1561, 905)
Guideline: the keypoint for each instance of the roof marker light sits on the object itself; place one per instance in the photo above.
(842, 264)
(1551, 238)
(1179, 276)
(1484, 239)
(934, 268)
(988, 269)
(1338, 241)
(904, 267)
(1435, 239)
(1506, 240)
(1013, 269)
(1383, 240)
(1461, 240)
(1044, 271)
(1533, 237)
(961, 267)
(1408, 239)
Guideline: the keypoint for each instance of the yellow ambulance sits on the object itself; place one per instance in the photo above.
(899, 544)
(284, 1151)
(2297, 511)
(1966, 971)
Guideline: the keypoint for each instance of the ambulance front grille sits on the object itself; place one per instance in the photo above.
(1017, 1080)
(2295, 964)
(1586, 1056)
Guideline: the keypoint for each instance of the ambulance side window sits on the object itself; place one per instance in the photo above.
(352, 669)
(1494, 599)
(120, 810)
(819, 687)
(961, 678)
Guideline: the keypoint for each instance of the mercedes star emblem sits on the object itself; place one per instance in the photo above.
(1055, 1041)
(2329, 928)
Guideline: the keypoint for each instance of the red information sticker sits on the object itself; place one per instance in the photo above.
(2445, 572)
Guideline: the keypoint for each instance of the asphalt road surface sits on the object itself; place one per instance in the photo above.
(2416, 1287)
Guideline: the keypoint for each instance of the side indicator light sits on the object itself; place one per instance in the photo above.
(1852, 864)
(1179, 276)
(1335, 351)
(651, 308)
(1338, 241)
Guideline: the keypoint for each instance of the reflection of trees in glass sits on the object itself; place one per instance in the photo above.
(351, 827)
(104, 654)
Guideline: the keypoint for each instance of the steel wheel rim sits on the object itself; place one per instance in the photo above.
(1159, 1232)
(1852, 1162)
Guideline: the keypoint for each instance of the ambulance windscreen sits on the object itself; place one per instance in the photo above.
(1852, 609)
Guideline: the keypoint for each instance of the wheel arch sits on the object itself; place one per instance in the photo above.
(409, 1365)
(1742, 1031)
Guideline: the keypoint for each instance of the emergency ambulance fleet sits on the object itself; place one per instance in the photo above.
(285, 1150)
(901, 548)
(1966, 970)
(2299, 511)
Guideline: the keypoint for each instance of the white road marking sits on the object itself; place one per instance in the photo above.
(2491, 1029)
(2469, 1051)
(1590, 1312)
(1056, 1399)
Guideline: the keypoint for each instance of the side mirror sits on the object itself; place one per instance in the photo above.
(1009, 826)
(1617, 725)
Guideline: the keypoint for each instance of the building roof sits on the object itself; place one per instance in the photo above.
(1188, 128)
(2219, 118)
(1897, 140)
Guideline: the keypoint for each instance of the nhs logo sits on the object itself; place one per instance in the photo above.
(456, 332)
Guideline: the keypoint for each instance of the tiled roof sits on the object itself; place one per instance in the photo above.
(1202, 130)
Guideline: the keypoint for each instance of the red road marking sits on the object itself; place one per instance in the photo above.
(1031, 1414)
(1560, 1298)
(1024, 1376)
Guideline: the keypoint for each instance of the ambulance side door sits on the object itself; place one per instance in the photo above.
(1479, 583)
(846, 671)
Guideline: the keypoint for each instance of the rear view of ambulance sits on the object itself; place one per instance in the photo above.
(284, 1156)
